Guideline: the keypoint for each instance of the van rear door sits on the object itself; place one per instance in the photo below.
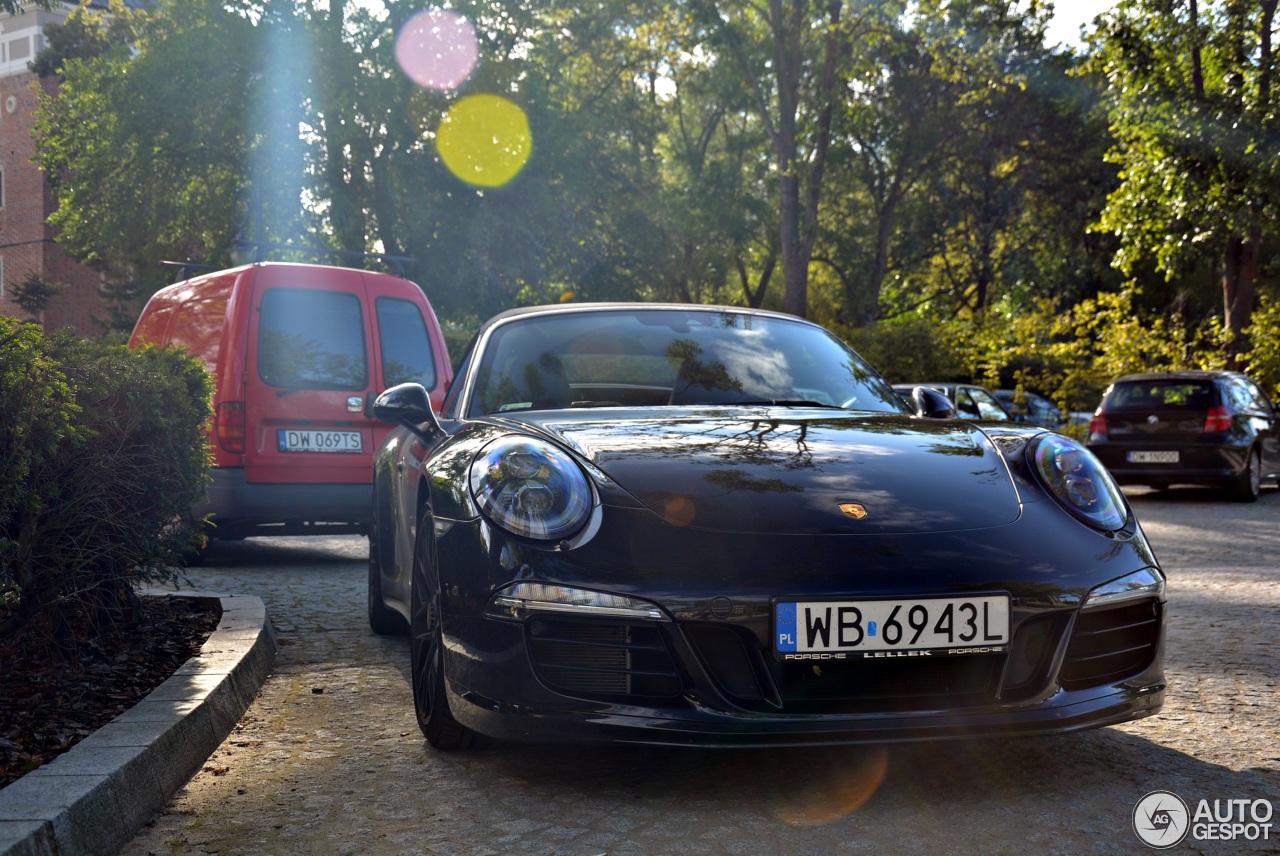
(310, 370)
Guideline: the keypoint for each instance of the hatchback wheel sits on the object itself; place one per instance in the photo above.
(430, 701)
(1248, 483)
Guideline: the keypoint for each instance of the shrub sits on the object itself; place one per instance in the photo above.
(1067, 354)
(101, 451)
(908, 349)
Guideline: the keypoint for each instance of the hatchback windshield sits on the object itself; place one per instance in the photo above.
(642, 357)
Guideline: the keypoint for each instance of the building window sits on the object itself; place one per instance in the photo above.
(2, 289)
(1, 187)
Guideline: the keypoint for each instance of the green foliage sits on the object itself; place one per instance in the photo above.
(1193, 104)
(144, 140)
(100, 450)
(1069, 354)
(86, 33)
(909, 349)
(1263, 359)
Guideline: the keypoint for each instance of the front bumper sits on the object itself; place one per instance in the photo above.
(1069, 712)
(707, 677)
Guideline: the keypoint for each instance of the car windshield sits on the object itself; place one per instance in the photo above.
(1161, 395)
(652, 357)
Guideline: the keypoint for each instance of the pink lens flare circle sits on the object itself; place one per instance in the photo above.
(437, 49)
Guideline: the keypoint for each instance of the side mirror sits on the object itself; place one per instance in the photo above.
(932, 404)
(409, 405)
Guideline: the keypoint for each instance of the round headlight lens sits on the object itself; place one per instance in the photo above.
(1077, 480)
(530, 488)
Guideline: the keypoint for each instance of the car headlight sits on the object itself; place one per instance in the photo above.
(1148, 582)
(530, 488)
(520, 600)
(1078, 481)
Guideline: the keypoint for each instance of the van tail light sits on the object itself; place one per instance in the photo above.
(229, 425)
(1098, 426)
(1218, 420)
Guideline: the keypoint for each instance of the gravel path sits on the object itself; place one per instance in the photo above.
(329, 759)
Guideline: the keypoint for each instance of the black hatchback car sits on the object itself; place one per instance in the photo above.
(1192, 427)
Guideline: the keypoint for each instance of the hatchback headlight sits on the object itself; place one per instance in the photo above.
(1078, 480)
(530, 488)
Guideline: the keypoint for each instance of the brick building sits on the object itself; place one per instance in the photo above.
(27, 243)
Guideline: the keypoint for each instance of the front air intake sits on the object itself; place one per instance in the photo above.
(601, 659)
(1109, 645)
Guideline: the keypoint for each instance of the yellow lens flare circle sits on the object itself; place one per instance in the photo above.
(484, 140)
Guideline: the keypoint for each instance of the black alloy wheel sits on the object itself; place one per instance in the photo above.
(382, 620)
(430, 701)
(1248, 483)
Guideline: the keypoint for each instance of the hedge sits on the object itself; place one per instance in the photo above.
(102, 450)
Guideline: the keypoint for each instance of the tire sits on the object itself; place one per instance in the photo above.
(430, 699)
(1248, 484)
(382, 619)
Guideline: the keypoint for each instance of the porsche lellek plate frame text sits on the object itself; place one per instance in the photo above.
(889, 628)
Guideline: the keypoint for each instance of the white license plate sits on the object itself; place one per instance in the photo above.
(297, 440)
(1152, 457)
(812, 630)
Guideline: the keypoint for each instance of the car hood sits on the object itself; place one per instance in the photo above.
(800, 471)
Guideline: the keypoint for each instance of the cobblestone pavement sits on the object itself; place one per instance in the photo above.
(329, 759)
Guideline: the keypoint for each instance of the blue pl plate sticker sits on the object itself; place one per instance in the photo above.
(785, 624)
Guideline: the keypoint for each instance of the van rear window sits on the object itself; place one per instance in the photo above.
(406, 349)
(310, 339)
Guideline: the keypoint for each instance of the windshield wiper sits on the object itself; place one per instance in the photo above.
(784, 402)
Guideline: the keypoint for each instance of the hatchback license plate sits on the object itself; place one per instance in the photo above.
(813, 630)
(1153, 457)
(297, 440)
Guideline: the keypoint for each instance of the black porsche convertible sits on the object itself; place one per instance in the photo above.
(715, 526)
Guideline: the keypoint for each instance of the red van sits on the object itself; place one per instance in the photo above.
(298, 352)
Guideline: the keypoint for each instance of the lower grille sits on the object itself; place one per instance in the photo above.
(900, 684)
(755, 681)
(1109, 645)
(606, 660)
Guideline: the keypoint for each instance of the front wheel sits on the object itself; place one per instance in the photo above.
(430, 700)
(1248, 483)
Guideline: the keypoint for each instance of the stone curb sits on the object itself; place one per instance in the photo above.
(93, 799)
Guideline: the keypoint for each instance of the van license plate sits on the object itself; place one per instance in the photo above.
(295, 440)
(836, 630)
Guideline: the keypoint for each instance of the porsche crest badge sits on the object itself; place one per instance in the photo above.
(854, 509)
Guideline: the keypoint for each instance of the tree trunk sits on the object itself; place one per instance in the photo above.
(795, 263)
(1239, 285)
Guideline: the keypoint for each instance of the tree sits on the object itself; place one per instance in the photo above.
(34, 293)
(1192, 101)
(790, 53)
(14, 7)
(144, 142)
(960, 136)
